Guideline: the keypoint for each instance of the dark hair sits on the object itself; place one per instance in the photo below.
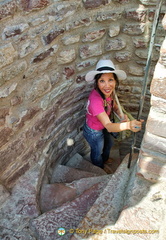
(96, 83)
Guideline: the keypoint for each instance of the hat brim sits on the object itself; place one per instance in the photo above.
(89, 77)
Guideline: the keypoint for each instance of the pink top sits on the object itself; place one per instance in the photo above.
(95, 106)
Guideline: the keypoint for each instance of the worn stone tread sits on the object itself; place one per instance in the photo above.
(54, 195)
(83, 184)
(101, 213)
(77, 161)
(68, 174)
(68, 215)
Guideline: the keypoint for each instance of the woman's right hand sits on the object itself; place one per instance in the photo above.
(135, 126)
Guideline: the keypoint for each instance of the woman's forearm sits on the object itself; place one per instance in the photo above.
(117, 127)
(133, 125)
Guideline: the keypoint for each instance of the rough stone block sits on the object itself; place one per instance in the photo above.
(37, 21)
(52, 35)
(40, 86)
(60, 11)
(114, 30)
(93, 35)
(156, 122)
(12, 71)
(158, 87)
(123, 56)
(136, 70)
(7, 54)
(140, 42)
(67, 40)
(16, 100)
(66, 56)
(93, 4)
(136, 14)
(80, 78)
(133, 29)
(153, 167)
(86, 64)
(12, 31)
(116, 44)
(160, 69)
(88, 51)
(151, 14)
(33, 4)
(164, 22)
(148, 2)
(7, 90)
(41, 56)
(158, 102)
(154, 143)
(122, 1)
(27, 48)
(7, 8)
(143, 53)
(162, 59)
(25, 115)
(82, 22)
(68, 72)
(109, 15)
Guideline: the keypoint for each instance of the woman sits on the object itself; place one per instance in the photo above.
(100, 104)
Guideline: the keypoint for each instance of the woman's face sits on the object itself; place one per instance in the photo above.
(106, 84)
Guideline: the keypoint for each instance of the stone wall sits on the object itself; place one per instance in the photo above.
(47, 46)
(152, 157)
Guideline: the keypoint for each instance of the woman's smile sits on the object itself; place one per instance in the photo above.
(106, 84)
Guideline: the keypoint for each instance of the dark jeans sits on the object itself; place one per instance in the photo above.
(100, 142)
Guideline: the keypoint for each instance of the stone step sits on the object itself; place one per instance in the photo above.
(111, 165)
(66, 174)
(85, 183)
(67, 216)
(54, 195)
(106, 209)
(77, 161)
(143, 214)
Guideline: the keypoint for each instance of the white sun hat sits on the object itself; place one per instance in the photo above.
(105, 66)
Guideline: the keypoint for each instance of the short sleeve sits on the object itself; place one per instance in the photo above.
(95, 106)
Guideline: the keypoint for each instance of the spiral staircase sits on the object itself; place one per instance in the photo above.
(82, 201)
